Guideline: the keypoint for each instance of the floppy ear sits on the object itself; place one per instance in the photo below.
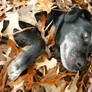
(55, 12)
(72, 15)
(75, 13)
(56, 15)
(85, 14)
(52, 16)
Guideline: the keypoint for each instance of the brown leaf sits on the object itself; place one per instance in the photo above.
(15, 50)
(55, 88)
(48, 63)
(18, 84)
(38, 89)
(1, 82)
(41, 25)
(72, 87)
(44, 5)
(29, 77)
(52, 77)
(26, 14)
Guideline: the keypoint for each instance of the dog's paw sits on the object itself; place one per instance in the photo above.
(13, 71)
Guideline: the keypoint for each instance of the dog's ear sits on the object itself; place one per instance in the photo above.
(55, 12)
(75, 13)
(72, 15)
(85, 14)
(57, 15)
(51, 18)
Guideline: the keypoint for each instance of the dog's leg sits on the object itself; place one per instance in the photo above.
(26, 59)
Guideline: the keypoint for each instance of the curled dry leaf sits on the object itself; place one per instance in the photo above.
(52, 77)
(48, 63)
(88, 77)
(13, 18)
(68, 2)
(52, 88)
(90, 8)
(55, 88)
(1, 81)
(2, 15)
(90, 87)
(3, 50)
(73, 87)
(44, 5)
(29, 77)
(15, 50)
(7, 55)
(17, 3)
(41, 26)
(26, 13)
(19, 84)
(50, 37)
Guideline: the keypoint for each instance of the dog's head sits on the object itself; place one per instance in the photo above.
(73, 36)
(74, 32)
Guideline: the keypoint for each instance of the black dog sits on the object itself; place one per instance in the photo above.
(73, 36)
(73, 41)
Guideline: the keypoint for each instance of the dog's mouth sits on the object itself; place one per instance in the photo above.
(71, 59)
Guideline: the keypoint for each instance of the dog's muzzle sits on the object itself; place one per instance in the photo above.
(73, 57)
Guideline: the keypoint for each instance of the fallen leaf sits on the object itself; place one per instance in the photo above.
(13, 47)
(19, 84)
(48, 63)
(73, 87)
(43, 5)
(26, 14)
(29, 77)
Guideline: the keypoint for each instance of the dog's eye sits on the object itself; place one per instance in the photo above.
(86, 37)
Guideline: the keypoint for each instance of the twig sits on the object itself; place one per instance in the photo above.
(49, 25)
(25, 29)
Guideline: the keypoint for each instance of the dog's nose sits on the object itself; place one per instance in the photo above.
(80, 63)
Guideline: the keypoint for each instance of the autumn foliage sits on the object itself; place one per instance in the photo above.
(46, 74)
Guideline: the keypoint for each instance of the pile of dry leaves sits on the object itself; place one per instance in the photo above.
(47, 74)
